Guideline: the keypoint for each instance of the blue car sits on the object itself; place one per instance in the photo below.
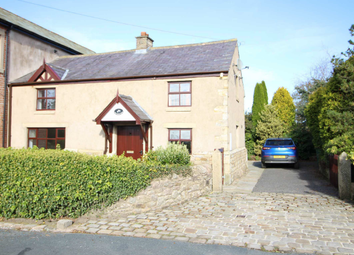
(279, 151)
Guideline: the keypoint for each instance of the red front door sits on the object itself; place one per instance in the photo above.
(130, 141)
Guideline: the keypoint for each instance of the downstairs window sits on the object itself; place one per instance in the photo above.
(183, 136)
(47, 138)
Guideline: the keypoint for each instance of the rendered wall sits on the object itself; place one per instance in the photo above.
(27, 54)
(78, 104)
(216, 116)
(235, 154)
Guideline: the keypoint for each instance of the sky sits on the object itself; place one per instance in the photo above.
(280, 40)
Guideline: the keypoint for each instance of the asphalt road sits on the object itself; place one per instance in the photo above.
(283, 178)
(44, 243)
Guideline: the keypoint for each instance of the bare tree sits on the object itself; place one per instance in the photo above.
(317, 76)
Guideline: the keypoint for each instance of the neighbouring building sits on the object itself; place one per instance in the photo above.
(136, 100)
(23, 46)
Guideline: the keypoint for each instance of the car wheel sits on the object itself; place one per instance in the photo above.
(263, 165)
(297, 165)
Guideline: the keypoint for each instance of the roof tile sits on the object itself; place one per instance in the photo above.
(196, 58)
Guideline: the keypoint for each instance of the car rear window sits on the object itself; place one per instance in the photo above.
(279, 142)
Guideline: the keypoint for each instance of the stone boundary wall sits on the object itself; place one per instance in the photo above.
(165, 192)
(202, 159)
(345, 185)
(238, 163)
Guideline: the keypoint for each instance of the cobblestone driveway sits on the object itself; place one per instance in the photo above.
(300, 223)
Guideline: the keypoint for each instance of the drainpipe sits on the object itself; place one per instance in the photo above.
(5, 85)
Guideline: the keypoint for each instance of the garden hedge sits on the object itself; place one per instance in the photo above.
(55, 183)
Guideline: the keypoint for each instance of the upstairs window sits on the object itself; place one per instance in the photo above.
(183, 136)
(46, 99)
(47, 138)
(180, 94)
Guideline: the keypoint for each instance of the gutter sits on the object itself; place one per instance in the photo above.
(122, 78)
(5, 85)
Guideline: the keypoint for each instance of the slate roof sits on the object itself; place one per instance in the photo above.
(136, 108)
(184, 59)
(21, 23)
(59, 71)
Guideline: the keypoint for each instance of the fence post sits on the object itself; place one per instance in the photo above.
(344, 177)
(217, 171)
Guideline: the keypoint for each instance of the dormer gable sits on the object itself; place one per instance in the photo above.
(44, 73)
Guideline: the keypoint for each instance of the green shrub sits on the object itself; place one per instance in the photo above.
(55, 183)
(174, 153)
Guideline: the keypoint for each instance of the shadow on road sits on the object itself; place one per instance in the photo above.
(283, 178)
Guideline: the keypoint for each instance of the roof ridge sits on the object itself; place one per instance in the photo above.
(11, 13)
(153, 48)
(94, 54)
(194, 44)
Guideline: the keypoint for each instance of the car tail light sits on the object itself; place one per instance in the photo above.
(265, 148)
(292, 148)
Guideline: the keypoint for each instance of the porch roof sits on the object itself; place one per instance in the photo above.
(128, 102)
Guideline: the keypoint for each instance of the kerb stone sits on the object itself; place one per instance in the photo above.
(62, 224)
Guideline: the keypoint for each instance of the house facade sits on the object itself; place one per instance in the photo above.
(133, 101)
(23, 46)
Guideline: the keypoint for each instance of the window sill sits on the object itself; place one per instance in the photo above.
(44, 112)
(178, 109)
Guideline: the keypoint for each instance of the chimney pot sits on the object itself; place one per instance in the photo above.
(143, 34)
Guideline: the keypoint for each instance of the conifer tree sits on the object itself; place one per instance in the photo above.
(285, 106)
(269, 126)
(249, 130)
(260, 99)
(265, 92)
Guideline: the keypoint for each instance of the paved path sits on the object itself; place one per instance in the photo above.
(313, 223)
(284, 179)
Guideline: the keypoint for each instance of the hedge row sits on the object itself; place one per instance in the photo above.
(54, 183)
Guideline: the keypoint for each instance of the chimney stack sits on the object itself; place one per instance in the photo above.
(143, 41)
